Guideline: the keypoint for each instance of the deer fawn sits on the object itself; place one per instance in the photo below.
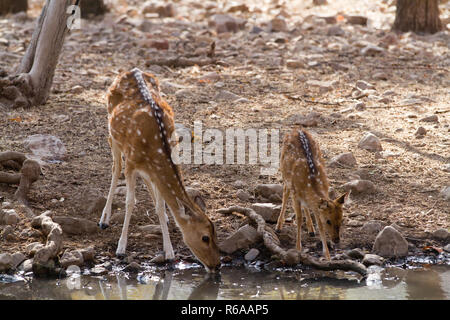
(303, 172)
(140, 126)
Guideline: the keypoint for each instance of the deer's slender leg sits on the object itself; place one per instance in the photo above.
(130, 176)
(299, 218)
(309, 222)
(116, 168)
(281, 217)
(323, 236)
(160, 209)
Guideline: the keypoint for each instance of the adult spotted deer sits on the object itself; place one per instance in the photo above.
(140, 126)
(304, 177)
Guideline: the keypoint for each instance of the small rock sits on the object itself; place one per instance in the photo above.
(278, 24)
(91, 201)
(87, 253)
(355, 253)
(251, 254)
(432, 118)
(363, 85)
(9, 217)
(226, 23)
(17, 259)
(268, 211)
(360, 187)
(239, 184)
(445, 192)
(372, 259)
(309, 120)
(224, 95)
(421, 131)
(390, 243)
(161, 44)
(335, 31)
(241, 239)
(27, 265)
(211, 76)
(269, 190)
(7, 231)
(372, 227)
(160, 258)
(380, 76)
(72, 225)
(133, 267)
(70, 258)
(33, 247)
(447, 248)
(243, 195)
(76, 89)
(370, 142)
(324, 86)
(359, 20)
(163, 9)
(6, 262)
(346, 159)
(371, 50)
(294, 64)
(441, 234)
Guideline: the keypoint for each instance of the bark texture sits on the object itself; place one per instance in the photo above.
(420, 16)
(31, 84)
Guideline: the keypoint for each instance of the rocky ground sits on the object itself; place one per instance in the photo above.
(376, 101)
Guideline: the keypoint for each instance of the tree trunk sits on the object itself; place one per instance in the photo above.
(417, 16)
(32, 83)
(13, 6)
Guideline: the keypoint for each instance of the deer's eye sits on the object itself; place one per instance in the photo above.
(329, 222)
(205, 239)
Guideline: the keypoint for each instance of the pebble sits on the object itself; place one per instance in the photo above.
(346, 159)
(239, 184)
(355, 253)
(372, 259)
(432, 118)
(243, 195)
(324, 86)
(363, 85)
(371, 50)
(278, 24)
(251, 254)
(360, 187)
(421, 131)
(441, 234)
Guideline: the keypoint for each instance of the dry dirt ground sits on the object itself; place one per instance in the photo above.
(410, 78)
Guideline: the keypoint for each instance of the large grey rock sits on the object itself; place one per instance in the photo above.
(390, 243)
(46, 147)
(370, 142)
(268, 211)
(243, 238)
(71, 225)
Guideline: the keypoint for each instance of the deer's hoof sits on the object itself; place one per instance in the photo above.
(103, 226)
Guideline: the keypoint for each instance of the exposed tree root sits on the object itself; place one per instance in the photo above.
(29, 173)
(292, 256)
(43, 261)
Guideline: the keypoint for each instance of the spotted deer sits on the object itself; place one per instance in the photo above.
(304, 178)
(140, 126)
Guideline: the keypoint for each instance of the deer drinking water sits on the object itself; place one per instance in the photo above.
(304, 177)
(140, 126)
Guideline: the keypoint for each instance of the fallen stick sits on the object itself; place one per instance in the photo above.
(292, 256)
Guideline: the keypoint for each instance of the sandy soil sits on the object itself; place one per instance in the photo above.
(408, 174)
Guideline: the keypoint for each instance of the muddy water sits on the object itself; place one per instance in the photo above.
(184, 281)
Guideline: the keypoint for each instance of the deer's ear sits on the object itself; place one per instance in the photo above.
(342, 199)
(323, 204)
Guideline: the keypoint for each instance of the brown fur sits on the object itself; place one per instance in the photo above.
(309, 188)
